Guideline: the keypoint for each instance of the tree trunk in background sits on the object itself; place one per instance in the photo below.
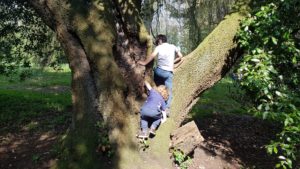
(186, 23)
(103, 41)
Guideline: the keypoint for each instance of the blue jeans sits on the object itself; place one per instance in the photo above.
(164, 77)
(150, 115)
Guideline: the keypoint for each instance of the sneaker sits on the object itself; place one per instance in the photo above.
(143, 135)
(152, 131)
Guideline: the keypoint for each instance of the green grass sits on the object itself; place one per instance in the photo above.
(225, 97)
(21, 104)
(38, 78)
(18, 106)
(23, 108)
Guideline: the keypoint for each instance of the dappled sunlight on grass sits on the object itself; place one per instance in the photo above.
(30, 126)
(36, 96)
(18, 106)
(225, 97)
(37, 78)
(34, 113)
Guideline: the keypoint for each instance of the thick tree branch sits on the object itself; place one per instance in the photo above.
(206, 65)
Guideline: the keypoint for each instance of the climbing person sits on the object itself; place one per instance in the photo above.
(167, 55)
(153, 110)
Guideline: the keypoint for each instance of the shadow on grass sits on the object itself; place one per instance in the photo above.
(228, 129)
(225, 97)
(239, 137)
(19, 107)
(31, 126)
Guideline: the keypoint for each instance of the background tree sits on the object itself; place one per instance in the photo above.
(186, 23)
(270, 72)
(25, 40)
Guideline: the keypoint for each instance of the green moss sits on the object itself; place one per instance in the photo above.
(143, 33)
(79, 150)
(203, 67)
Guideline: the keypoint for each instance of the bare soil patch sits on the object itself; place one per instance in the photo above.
(234, 142)
(231, 142)
(31, 145)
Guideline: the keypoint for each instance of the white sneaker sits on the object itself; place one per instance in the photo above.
(143, 135)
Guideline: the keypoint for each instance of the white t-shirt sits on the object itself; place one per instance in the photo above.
(166, 56)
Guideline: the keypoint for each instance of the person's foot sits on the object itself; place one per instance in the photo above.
(152, 131)
(142, 135)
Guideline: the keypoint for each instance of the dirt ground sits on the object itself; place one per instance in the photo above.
(23, 147)
(231, 142)
(234, 142)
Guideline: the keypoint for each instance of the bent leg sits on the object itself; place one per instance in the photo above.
(144, 124)
(155, 123)
(160, 76)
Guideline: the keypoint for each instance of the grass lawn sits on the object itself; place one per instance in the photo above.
(34, 115)
(22, 106)
(225, 97)
(38, 78)
(20, 102)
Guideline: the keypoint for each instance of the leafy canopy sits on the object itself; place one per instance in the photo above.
(25, 40)
(270, 70)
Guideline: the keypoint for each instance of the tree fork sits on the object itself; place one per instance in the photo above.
(102, 57)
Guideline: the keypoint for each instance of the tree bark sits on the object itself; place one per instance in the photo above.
(186, 138)
(206, 65)
(103, 41)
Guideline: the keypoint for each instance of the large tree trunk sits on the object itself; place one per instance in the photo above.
(103, 41)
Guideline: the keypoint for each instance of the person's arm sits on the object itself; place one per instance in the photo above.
(163, 112)
(149, 58)
(178, 60)
(148, 86)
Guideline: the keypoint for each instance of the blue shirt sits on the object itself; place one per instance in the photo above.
(155, 101)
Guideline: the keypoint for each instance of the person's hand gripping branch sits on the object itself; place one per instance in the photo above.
(178, 60)
(148, 86)
(149, 58)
